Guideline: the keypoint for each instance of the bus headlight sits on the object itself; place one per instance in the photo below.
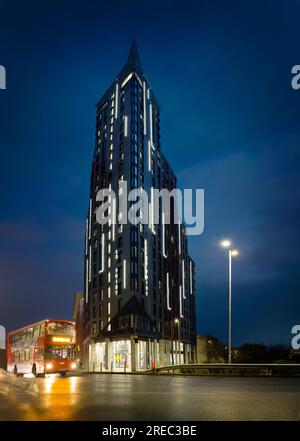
(49, 366)
(73, 366)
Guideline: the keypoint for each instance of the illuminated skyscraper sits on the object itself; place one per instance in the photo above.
(139, 279)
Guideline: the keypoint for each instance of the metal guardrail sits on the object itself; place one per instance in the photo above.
(234, 369)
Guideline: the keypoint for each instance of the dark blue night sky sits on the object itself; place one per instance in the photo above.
(221, 72)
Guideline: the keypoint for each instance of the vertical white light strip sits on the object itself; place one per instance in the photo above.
(179, 238)
(102, 253)
(86, 235)
(87, 280)
(163, 235)
(127, 79)
(116, 281)
(110, 213)
(180, 301)
(138, 78)
(114, 219)
(191, 278)
(90, 219)
(146, 265)
(124, 274)
(90, 263)
(145, 120)
(168, 291)
(149, 156)
(117, 98)
(151, 212)
(183, 279)
(149, 216)
(125, 125)
(151, 123)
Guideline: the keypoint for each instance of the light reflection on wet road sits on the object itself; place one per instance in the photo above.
(138, 397)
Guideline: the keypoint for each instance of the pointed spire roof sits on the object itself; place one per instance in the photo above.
(133, 62)
(133, 58)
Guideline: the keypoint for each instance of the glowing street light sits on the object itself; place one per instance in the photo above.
(231, 253)
(225, 243)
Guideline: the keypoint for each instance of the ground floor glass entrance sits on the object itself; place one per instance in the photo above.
(121, 354)
(136, 354)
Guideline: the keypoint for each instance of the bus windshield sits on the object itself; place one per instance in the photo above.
(60, 352)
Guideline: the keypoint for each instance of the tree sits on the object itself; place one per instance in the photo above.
(252, 353)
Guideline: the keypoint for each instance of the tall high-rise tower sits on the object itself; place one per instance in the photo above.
(139, 279)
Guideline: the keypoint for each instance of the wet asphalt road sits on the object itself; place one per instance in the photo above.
(109, 397)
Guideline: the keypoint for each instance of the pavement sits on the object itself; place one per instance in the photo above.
(114, 397)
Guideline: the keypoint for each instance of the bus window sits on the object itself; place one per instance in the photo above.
(29, 333)
(61, 328)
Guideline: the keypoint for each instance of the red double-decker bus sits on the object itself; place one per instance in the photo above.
(48, 346)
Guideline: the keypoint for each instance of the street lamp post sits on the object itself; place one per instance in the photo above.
(231, 253)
